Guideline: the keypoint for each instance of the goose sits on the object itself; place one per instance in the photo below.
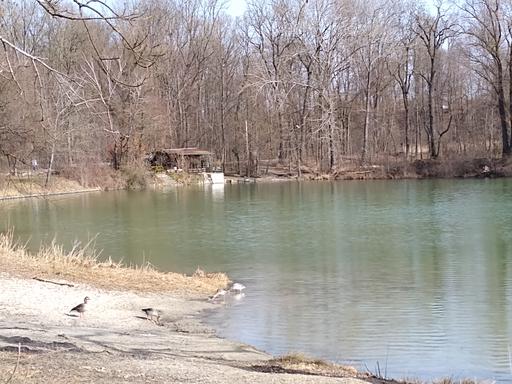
(151, 313)
(80, 308)
(237, 288)
(220, 293)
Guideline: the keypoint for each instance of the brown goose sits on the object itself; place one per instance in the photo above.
(152, 313)
(80, 308)
(221, 293)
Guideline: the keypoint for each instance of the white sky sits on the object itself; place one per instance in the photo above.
(236, 7)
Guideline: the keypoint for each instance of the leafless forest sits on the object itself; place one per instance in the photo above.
(297, 82)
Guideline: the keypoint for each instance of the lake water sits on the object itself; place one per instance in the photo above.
(414, 276)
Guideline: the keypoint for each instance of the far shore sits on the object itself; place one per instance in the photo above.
(35, 186)
(48, 194)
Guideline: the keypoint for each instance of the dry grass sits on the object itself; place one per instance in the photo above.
(185, 178)
(82, 264)
(34, 185)
(298, 363)
(301, 364)
(443, 381)
(376, 380)
(452, 381)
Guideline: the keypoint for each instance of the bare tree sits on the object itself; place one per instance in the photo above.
(401, 67)
(433, 32)
(484, 25)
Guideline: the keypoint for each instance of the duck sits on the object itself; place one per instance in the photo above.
(237, 288)
(151, 313)
(221, 292)
(80, 308)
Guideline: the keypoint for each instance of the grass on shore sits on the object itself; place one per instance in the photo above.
(298, 363)
(35, 185)
(82, 265)
(302, 364)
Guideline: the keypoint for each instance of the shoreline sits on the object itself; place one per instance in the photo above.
(40, 341)
(427, 169)
(50, 194)
(234, 181)
(114, 342)
(12, 188)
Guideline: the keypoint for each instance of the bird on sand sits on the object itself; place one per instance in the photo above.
(237, 288)
(80, 308)
(220, 293)
(152, 314)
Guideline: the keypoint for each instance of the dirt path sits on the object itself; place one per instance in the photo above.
(114, 343)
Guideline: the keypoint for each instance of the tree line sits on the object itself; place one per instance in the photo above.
(294, 82)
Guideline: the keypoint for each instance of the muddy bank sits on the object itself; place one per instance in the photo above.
(115, 343)
(390, 168)
(467, 168)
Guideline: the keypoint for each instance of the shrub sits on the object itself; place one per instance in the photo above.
(136, 176)
(94, 175)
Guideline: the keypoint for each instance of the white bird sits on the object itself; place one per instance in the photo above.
(237, 288)
(220, 293)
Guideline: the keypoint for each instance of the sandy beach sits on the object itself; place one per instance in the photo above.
(115, 343)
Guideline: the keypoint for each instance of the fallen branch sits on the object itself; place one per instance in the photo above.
(53, 282)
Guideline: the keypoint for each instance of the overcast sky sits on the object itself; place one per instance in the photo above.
(237, 7)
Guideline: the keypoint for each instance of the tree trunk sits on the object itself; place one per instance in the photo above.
(50, 165)
(222, 112)
(406, 126)
(430, 101)
(503, 114)
(247, 166)
(366, 118)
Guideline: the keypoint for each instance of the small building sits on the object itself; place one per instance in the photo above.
(186, 159)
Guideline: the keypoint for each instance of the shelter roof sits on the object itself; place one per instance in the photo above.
(186, 151)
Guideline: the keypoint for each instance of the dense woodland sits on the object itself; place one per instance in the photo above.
(298, 82)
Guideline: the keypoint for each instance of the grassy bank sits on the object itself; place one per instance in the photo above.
(34, 185)
(73, 180)
(82, 264)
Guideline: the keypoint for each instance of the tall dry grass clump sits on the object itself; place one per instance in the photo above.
(82, 264)
(300, 363)
(35, 184)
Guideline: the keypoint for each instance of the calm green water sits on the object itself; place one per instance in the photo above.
(414, 275)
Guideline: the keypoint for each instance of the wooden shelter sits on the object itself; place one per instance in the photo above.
(187, 159)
